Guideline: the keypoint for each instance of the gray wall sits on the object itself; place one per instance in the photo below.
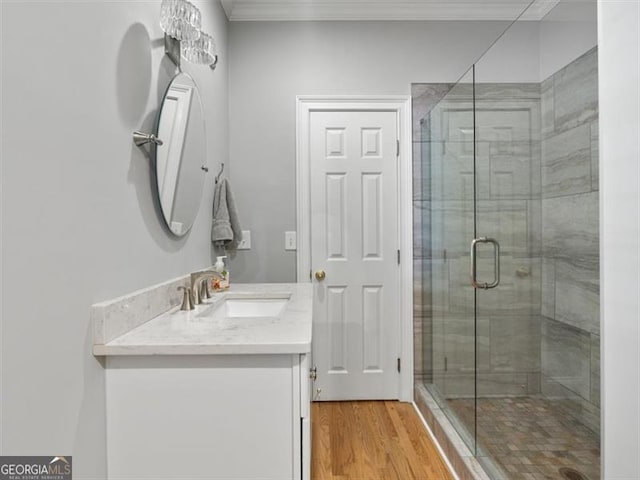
(272, 62)
(78, 221)
(570, 238)
(619, 96)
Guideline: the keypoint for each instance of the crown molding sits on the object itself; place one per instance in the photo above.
(370, 10)
(227, 5)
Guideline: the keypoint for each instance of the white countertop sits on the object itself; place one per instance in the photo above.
(192, 333)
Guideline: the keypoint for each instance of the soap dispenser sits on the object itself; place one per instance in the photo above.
(219, 267)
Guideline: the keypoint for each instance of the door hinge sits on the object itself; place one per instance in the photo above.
(398, 257)
(446, 364)
(397, 148)
(399, 365)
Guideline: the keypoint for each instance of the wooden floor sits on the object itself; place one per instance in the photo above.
(379, 440)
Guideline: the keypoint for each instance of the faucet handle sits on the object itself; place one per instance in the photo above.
(204, 290)
(187, 299)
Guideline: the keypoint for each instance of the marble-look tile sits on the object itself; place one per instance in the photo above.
(546, 107)
(459, 344)
(548, 300)
(576, 92)
(424, 96)
(566, 357)
(487, 384)
(595, 370)
(439, 287)
(571, 226)
(502, 92)
(571, 404)
(595, 161)
(534, 228)
(578, 293)
(416, 174)
(418, 360)
(423, 291)
(421, 272)
(511, 175)
(451, 165)
(507, 221)
(519, 289)
(491, 384)
(533, 383)
(460, 292)
(452, 225)
(566, 162)
(421, 229)
(515, 343)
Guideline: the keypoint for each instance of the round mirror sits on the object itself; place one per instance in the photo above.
(181, 158)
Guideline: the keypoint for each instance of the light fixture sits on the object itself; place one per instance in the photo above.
(181, 22)
(201, 51)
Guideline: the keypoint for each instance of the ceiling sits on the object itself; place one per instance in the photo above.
(309, 10)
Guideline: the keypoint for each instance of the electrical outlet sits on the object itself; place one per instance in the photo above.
(290, 241)
(245, 244)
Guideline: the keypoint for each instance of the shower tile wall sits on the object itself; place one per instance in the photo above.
(570, 231)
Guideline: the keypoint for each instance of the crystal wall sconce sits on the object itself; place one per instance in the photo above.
(181, 22)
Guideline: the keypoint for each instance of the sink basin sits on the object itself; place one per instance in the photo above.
(263, 307)
(248, 307)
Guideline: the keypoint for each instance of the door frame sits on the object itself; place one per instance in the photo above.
(401, 105)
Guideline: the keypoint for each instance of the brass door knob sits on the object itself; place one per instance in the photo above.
(320, 275)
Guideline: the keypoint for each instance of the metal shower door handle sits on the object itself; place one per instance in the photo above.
(496, 264)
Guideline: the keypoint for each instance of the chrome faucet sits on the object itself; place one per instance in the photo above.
(199, 285)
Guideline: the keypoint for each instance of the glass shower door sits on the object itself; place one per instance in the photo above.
(449, 167)
(508, 209)
(537, 412)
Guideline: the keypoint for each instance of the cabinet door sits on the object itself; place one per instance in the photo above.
(224, 417)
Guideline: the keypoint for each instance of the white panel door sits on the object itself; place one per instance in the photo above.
(354, 241)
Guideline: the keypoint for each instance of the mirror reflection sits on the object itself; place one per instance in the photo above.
(181, 159)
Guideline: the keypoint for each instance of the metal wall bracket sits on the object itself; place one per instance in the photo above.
(172, 49)
(141, 138)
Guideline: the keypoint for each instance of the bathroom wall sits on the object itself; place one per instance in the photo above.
(79, 224)
(619, 125)
(570, 235)
(272, 62)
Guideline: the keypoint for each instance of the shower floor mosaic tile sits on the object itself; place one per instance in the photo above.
(531, 438)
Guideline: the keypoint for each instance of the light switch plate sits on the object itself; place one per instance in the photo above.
(290, 241)
(245, 244)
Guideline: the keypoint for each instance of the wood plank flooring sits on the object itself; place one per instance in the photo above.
(372, 440)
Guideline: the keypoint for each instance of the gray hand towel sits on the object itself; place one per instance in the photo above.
(225, 231)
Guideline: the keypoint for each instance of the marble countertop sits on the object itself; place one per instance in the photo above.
(196, 333)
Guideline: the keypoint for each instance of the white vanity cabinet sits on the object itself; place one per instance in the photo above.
(208, 417)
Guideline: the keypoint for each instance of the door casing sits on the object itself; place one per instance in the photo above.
(401, 105)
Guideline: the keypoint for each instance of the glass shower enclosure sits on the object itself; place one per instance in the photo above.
(509, 231)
